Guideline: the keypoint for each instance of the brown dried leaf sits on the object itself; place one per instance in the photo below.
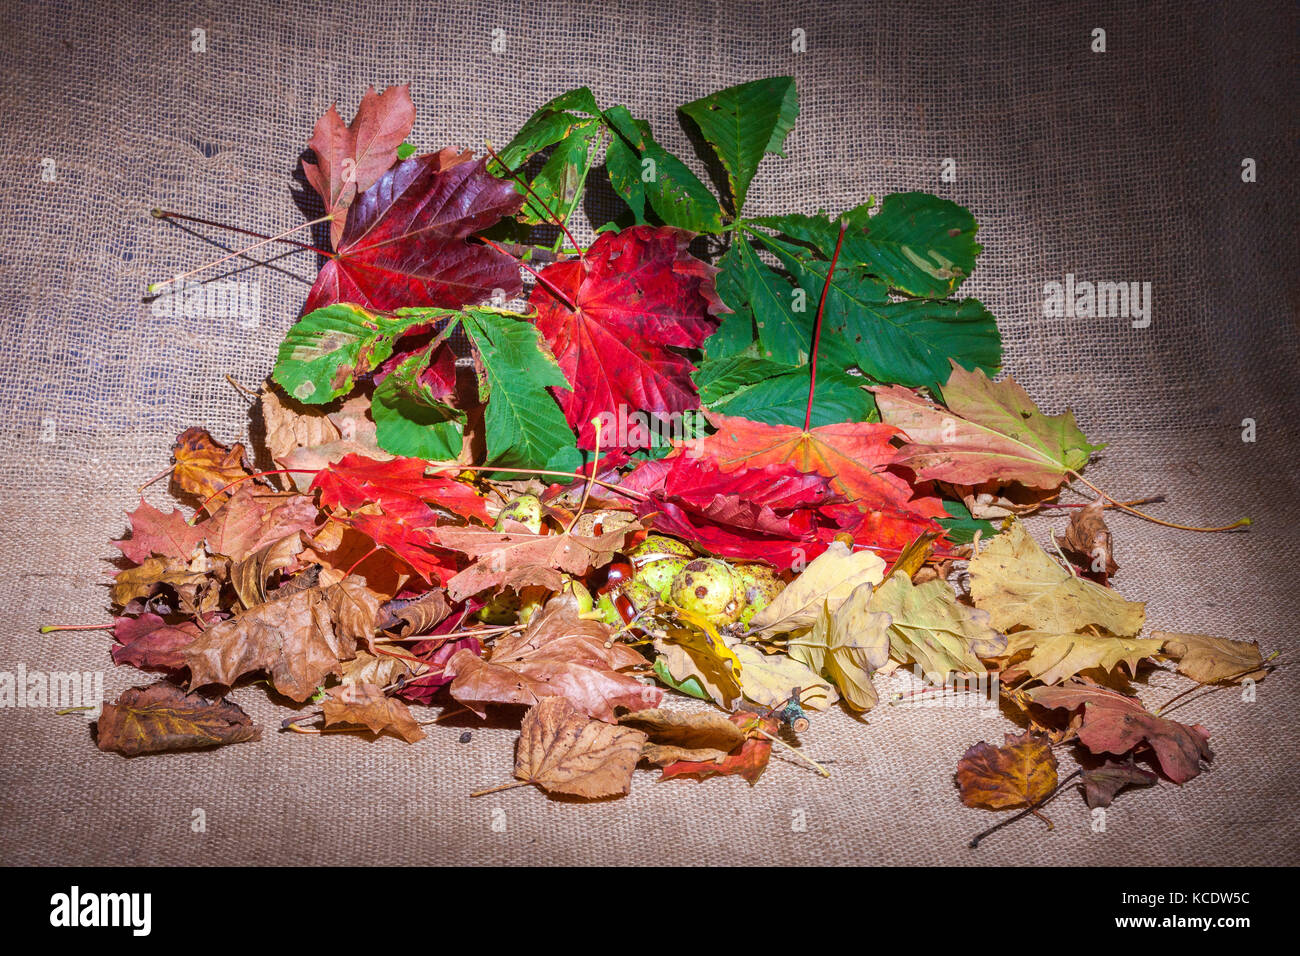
(519, 560)
(291, 638)
(290, 424)
(355, 608)
(1088, 539)
(144, 579)
(366, 704)
(563, 751)
(250, 576)
(419, 616)
(1102, 783)
(1207, 660)
(163, 717)
(677, 735)
(558, 654)
(1017, 774)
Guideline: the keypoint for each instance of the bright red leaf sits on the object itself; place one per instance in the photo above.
(637, 295)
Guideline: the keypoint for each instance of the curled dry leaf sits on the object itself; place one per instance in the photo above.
(1019, 773)
(563, 751)
(1088, 539)
(1102, 783)
(365, 704)
(251, 575)
(251, 519)
(558, 654)
(420, 616)
(848, 646)
(291, 425)
(1021, 586)
(747, 762)
(163, 717)
(680, 735)
(355, 608)
(1115, 724)
(1208, 660)
(1055, 657)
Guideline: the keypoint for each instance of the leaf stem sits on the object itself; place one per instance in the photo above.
(817, 328)
(546, 283)
(1239, 523)
(822, 771)
(501, 786)
(1218, 684)
(1032, 808)
(549, 212)
(51, 628)
(167, 214)
(586, 493)
(156, 286)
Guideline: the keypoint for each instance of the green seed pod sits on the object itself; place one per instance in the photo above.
(761, 586)
(709, 587)
(502, 609)
(658, 560)
(526, 510)
(656, 546)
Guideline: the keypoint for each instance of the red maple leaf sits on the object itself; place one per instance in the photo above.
(351, 158)
(157, 532)
(404, 241)
(857, 457)
(749, 760)
(636, 295)
(355, 481)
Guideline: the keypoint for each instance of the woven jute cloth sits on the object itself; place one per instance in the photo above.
(1123, 166)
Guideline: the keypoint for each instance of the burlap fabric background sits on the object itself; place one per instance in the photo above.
(1122, 166)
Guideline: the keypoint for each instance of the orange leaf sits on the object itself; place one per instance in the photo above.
(1019, 773)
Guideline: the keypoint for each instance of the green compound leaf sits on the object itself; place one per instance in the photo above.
(743, 122)
(409, 420)
(558, 184)
(643, 172)
(525, 427)
(917, 243)
(735, 333)
(907, 343)
(323, 353)
(782, 313)
(777, 394)
(548, 126)
(962, 526)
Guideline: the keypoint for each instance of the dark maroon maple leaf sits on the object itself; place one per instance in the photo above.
(150, 642)
(636, 296)
(404, 243)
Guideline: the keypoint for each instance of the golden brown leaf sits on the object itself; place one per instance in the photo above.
(366, 704)
(680, 735)
(1088, 538)
(205, 466)
(1019, 773)
(355, 608)
(163, 716)
(563, 751)
(1208, 659)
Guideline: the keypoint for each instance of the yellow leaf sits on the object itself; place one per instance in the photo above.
(828, 581)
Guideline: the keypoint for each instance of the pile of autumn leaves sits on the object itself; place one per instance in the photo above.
(368, 572)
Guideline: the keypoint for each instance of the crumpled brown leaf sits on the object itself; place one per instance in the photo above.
(558, 654)
(366, 704)
(291, 638)
(163, 717)
(563, 751)
(355, 608)
(1088, 539)
(196, 588)
(1019, 773)
(252, 518)
(250, 576)
(1101, 784)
